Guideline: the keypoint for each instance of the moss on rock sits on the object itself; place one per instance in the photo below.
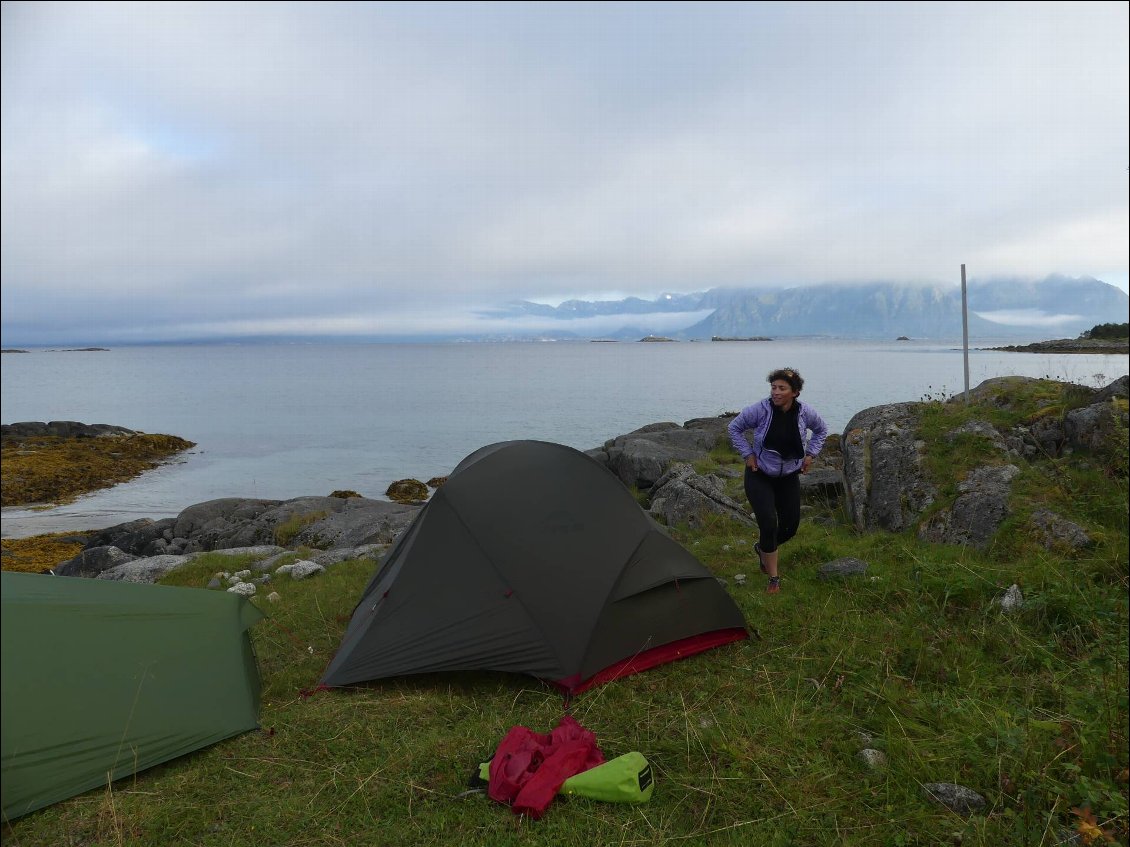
(53, 469)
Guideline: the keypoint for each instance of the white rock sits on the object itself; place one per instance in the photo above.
(1011, 600)
(245, 589)
(234, 580)
(874, 759)
(285, 569)
(274, 597)
(242, 574)
(305, 568)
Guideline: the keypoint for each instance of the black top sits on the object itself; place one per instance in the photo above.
(784, 433)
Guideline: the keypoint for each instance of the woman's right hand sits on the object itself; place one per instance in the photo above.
(751, 463)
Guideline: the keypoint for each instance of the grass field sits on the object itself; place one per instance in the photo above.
(752, 744)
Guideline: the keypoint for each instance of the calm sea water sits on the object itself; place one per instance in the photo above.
(282, 421)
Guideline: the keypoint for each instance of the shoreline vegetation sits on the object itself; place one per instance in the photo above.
(47, 469)
(1106, 346)
(40, 471)
(853, 700)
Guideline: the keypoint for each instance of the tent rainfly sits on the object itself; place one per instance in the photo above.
(103, 679)
(533, 558)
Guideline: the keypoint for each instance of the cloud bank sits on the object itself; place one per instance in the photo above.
(183, 170)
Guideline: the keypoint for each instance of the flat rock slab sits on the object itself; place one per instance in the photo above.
(956, 798)
(841, 568)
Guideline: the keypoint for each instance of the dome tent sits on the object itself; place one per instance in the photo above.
(533, 558)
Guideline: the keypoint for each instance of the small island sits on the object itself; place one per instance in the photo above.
(1110, 339)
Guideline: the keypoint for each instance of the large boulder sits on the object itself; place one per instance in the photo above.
(682, 496)
(143, 537)
(1092, 427)
(229, 522)
(361, 522)
(641, 457)
(977, 513)
(92, 562)
(149, 569)
(885, 484)
(1057, 533)
(1119, 388)
(319, 522)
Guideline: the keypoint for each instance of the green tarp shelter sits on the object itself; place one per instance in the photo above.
(101, 679)
(534, 558)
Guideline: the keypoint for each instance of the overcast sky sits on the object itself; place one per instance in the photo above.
(195, 170)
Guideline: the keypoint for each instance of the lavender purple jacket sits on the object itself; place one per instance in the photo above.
(813, 432)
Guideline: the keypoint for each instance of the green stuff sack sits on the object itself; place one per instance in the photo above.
(625, 779)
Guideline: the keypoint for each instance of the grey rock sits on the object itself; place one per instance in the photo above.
(641, 457)
(885, 484)
(1054, 531)
(330, 522)
(342, 554)
(977, 513)
(822, 485)
(874, 759)
(957, 798)
(244, 589)
(981, 429)
(214, 582)
(843, 567)
(1047, 435)
(1092, 426)
(93, 561)
(1011, 600)
(681, 496)
(271, 562)
(256, 550)
(137, 537)
(148, 569)
(1119, 388)
(304, 568)
(358, 522)
(63, 429)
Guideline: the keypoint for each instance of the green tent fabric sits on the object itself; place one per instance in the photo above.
(534, 558)
(101, 679)
(625, 779)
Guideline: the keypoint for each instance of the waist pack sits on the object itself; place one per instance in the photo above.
(772, 463)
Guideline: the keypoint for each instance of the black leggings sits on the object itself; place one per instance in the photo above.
(776, 505)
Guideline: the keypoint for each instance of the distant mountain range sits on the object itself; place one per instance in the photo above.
(1054, 307)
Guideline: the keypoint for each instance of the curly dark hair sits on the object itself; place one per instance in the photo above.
(789, 375)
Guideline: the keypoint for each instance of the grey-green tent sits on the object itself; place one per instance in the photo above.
(102, 679)
(533, 558)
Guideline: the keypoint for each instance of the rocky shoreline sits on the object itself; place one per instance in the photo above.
(876, 473)
(1072, 345)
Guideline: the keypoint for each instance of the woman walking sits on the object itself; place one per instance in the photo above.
(787, 436)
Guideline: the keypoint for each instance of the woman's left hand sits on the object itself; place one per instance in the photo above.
(806, 465)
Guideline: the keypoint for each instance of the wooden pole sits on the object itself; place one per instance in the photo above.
(965, 330)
